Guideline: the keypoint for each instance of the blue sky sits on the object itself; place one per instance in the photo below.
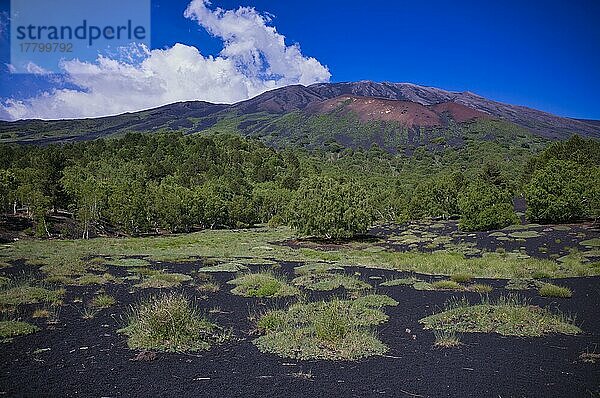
(542, 54)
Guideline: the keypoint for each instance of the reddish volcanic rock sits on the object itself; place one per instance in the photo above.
(458, 112)
(407, 113)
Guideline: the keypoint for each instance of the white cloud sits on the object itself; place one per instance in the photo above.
(35, 69)
(254, 59)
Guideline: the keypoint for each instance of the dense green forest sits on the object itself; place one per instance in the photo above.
(147, 183)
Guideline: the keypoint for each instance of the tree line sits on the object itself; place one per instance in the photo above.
(144, 183)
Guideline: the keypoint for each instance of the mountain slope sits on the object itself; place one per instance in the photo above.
(539, 122)
(398, 106)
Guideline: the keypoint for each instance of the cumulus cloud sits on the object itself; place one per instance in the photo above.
(254, 59)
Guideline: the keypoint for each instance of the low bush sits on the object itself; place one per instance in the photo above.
(563, 191)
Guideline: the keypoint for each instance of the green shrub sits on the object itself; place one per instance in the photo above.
(484, 206)
(436, 196)
(563, 191)
(330, 209)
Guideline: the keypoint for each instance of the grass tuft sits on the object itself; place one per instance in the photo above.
(446, 339)
(447, 285)
(171, 322)
(550, 290)
(163, 280)
(400, 282)
(262, 284)
(208, 287)
(103, 301)
(89, 312)
(522, 284)
(480, 288)
(461, 278)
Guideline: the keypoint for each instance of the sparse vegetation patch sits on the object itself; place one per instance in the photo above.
(508, 315)
(25, 293)
(332, 330)
(317, 268)
(128, 262)
(9, 329)
(226, 267)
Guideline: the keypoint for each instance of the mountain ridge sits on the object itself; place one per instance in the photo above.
(196, 116)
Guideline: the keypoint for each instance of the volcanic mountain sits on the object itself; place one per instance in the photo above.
(352, 114)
